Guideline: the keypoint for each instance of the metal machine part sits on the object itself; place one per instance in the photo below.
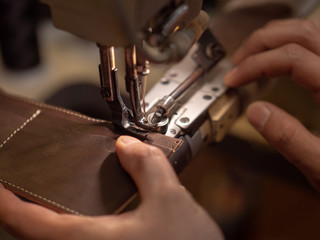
(121, 115)
(201, 60)
(119, 23)
(207, 111)
(173, 47)
(172, 38)
(223, 113)
(163, 31)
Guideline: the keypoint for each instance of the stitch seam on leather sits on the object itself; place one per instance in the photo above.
(39, 197)
(35, 115)
(65, 111)
(43, 105)
(159, 145)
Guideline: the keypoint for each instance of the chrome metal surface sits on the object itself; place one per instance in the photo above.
(193, 83)
(107, 60)
(195, 104)
(132, 83)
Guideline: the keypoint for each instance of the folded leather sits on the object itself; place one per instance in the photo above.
(64, 160)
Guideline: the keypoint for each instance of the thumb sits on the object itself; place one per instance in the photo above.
(288, 136)
(147, 165)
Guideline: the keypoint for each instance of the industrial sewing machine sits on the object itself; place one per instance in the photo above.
(190, 100)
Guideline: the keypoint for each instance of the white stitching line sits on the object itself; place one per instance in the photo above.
(36, 114)
(39, 197)
(64, 111)
(43, 105)
(171, 148)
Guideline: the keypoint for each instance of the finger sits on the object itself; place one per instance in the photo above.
(30, 221)
(147, 165)
(288, 136)
(303, 32)
(290, 59)
(21, 218)
(284, 22)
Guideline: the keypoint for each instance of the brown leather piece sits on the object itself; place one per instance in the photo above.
(64, 160)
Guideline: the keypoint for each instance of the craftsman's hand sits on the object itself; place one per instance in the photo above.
(289, 47)
(167, 211)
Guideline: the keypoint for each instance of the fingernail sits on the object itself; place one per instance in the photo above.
(126, 140)
(258, 115)
(230, 76)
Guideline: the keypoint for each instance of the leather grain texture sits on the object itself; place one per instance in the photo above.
(64, 160)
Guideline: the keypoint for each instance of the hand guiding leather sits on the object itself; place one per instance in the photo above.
(167, 211)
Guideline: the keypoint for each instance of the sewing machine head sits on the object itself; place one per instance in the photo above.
(118, 23)
(164, 31)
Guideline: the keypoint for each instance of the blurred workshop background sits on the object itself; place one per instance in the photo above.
(242, 182)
